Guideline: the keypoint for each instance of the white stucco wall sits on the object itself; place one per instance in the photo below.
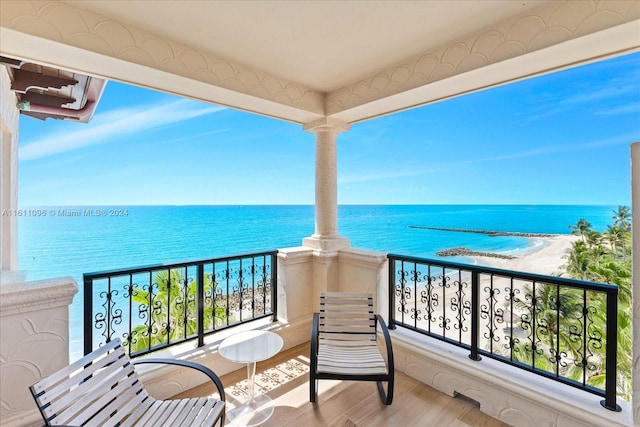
(9, 120)
(34, 342)
(504, 392)
(365, 271)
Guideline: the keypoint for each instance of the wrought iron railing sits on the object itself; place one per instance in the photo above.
(562, 329)
(158, 306)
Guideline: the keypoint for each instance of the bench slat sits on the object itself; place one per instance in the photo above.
(204, 413)
(57, 376)
(75, 377)
(103, 389)
(136, 412)
(109, 403)
(95, 387)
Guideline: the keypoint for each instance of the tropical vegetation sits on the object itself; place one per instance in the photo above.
(559, 320)
(606, 257)
(169, 310)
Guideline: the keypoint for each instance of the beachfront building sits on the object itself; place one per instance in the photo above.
(325, 66)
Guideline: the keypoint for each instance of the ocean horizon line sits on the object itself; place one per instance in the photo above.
(312, 204)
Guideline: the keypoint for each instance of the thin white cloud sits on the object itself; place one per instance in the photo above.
(411, 171)
(367, 177)
(630, 108)
(593, 98)
(619, 140)
(197, 136)
(109, 125)
(602, 93)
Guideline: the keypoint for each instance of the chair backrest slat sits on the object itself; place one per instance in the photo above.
(346, 316)
(353, 321)
(350, 330)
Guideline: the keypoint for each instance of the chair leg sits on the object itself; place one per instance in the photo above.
(387, 397)
(313, 392)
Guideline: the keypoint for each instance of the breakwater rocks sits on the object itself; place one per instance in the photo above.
(487, 232)
(467, 252)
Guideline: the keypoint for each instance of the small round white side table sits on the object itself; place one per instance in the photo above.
(250, 347)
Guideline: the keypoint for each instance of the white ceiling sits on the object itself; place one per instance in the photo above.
(323, 45)
(304, 61)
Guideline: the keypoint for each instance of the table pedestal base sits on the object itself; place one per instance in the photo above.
(252, 413)
(250, 347)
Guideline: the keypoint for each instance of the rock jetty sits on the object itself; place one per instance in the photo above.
(487, 232)
(467, 252)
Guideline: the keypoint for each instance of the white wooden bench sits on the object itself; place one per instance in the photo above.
(103, 389)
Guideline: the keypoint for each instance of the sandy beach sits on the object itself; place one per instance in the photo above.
(548, 258)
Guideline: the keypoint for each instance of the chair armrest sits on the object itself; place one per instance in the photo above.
(314, 339)
(387, 342)
(193, 365)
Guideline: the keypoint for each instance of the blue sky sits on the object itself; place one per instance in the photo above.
(562, 138)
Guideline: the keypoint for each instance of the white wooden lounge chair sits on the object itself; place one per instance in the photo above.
(103, 389)
(344, 343)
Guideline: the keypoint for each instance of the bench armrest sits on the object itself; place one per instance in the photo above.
(193, 365)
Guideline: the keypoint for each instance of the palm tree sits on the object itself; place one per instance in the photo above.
(593, 238)
(621, 217)
(577, 260)
(591, 261)
(168, 309)
(615, 273)
(550, 317)
(581, 228)
(625, 340)
(616, 236)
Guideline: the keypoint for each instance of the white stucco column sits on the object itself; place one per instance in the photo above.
(635, 209)
(326, 237)
(9, 122)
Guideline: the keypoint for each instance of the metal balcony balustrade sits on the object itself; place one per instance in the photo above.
(158, 306)
(562, 329)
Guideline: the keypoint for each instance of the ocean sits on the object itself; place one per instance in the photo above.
(72, 240)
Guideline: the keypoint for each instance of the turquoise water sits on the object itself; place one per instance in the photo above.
(55, 245)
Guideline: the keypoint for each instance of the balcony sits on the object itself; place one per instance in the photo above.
(285, 379)
(323, 83)
(435, 364)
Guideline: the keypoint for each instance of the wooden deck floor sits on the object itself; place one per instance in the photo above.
(285, 379)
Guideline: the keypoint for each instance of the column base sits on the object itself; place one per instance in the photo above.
(326, 243)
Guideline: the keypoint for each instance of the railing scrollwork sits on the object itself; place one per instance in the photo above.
(154, 307)
(544, 324)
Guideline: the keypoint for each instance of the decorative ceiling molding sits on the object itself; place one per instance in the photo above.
(82, 29)
(552, 36)
(550, 24)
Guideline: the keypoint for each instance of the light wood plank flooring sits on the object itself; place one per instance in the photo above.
(285, 379)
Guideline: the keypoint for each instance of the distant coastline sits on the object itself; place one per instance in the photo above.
(549, 258)
(546, 258)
